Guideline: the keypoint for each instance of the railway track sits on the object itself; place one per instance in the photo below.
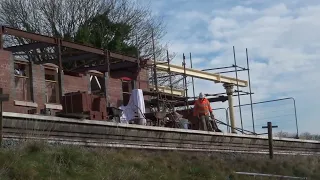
(20, 127)
(94, 144)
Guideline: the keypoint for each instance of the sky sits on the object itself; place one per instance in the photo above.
(283, 41)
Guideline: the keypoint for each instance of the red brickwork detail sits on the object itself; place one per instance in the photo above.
(75, 83)
(38, 86)
(6, 69)
(144, 79)
(70, 84)
(114, 92)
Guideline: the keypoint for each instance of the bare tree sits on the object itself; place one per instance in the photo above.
(62, 18)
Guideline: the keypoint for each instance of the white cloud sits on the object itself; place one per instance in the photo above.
(236, 11)
(283, 43)
(287, 43)
(193, 15)
(277, 10)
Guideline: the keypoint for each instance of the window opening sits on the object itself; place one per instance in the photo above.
(127, 87)
(51, 81)
(22, 81)
(97, 84)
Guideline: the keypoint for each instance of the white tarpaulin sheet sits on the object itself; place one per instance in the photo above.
(135, 108)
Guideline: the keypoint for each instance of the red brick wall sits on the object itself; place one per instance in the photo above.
(6, 81)
(38, 85)
(115, 84)
(76, 82)
(71, 83)
(114, 91)
(144, 79)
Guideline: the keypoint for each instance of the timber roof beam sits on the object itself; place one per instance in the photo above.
(217, 78)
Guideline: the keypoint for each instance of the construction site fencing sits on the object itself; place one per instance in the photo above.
(281, 112)
(222, 115)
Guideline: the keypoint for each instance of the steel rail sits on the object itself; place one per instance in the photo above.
(94, 144)
(99, 133)
(134, 140)
(166, 143)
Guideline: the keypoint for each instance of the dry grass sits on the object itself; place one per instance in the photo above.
(306, 136)
(41, 161)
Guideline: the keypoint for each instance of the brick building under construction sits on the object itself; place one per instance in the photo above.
(97, 79)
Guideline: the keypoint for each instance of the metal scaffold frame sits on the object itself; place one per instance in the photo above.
(236, 70)
(228, 83)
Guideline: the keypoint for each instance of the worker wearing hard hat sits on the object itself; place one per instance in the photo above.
(202, 109)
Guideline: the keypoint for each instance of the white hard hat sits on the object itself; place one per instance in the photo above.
(201, 95)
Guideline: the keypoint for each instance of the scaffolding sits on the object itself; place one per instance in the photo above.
(185, 101)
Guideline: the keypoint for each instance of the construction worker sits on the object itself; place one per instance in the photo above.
(202, 109)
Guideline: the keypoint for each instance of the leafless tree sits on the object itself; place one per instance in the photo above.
(62, 18)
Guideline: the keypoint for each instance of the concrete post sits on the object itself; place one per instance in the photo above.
(229, 90)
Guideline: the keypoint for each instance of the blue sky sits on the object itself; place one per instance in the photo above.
(283, 41)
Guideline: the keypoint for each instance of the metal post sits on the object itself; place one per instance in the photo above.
(227, 118)
(210, 69)
(138, 61)
(228, 121)
(229, 89)
(60, 70)
(185, 81)
(250, 90)
(194, 96)
(295, 113)
(235, 63)
(170, 75)
(270, 138)
(107, 77)
(152, 79)
(183, 85)
(30, 64)
(155, 71)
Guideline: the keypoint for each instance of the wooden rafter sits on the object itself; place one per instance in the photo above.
(217, 78)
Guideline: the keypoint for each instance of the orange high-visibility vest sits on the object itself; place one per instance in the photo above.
(202, 107)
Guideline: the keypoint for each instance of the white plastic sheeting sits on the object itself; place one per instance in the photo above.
(135, 108)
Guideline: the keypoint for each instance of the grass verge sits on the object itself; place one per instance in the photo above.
(40, 161)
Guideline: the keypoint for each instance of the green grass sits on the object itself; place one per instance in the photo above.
(40, 161)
